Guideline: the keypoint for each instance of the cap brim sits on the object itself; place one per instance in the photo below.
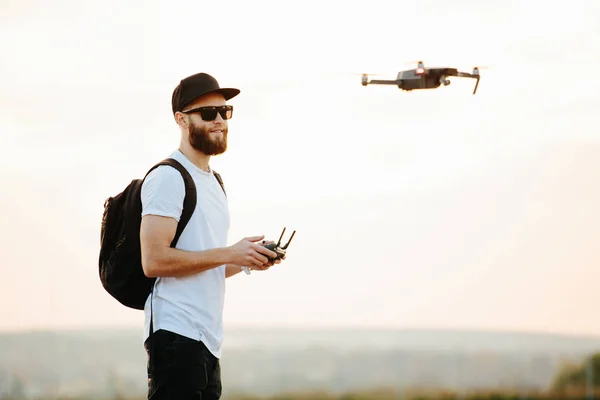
(228, 93)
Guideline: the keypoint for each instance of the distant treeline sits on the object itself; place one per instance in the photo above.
(429, 395)
(579, 381)
(393, 395)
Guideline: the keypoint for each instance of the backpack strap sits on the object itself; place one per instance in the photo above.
(189, 205)
(216, 174)
(189, 201)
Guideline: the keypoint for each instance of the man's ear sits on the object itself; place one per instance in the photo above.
(181, 119)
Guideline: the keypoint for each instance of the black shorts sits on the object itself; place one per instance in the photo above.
(181, 368)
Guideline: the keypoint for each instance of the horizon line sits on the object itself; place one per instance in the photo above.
(316, 328)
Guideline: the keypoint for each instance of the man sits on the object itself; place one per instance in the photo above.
(188, 296)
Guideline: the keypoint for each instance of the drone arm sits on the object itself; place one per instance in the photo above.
(468, 75)
(476, 84)
(382, 82)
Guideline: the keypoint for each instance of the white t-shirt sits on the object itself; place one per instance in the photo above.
(191, 306)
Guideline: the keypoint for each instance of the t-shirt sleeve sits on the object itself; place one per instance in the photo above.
(163, 192)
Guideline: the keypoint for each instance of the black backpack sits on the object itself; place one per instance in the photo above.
(120, 260)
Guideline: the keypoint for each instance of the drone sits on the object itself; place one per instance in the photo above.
(423, 78)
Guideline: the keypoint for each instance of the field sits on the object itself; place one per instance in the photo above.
(315, 365)
(383, 394)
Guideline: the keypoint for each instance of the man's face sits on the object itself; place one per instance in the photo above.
(208, 137)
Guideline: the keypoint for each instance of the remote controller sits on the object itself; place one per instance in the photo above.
(276, 247)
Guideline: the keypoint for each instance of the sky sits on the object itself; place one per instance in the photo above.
(428, 209)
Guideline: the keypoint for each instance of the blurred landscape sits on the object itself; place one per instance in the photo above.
(272, 362)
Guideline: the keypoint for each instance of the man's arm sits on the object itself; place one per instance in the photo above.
(159, 259)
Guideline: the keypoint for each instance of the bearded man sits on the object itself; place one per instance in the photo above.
(184, 314)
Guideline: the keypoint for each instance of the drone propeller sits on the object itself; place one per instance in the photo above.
(359, 73)
(477, 69)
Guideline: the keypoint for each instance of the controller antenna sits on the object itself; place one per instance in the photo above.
(280, 237)
(290, 239)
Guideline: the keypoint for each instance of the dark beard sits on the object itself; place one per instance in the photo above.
(200, 140)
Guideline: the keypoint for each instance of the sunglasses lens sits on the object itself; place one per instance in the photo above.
(226, 112)
(208, 113)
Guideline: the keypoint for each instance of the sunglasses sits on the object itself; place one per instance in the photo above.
(209, 113)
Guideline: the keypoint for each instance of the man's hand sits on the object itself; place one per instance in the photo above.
(251, 253)
(268, 264)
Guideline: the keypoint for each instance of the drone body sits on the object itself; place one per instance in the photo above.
(423, 78)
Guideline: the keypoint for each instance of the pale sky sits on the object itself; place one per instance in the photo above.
(425, 209)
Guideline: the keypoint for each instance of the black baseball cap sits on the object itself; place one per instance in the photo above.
(195, 86)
